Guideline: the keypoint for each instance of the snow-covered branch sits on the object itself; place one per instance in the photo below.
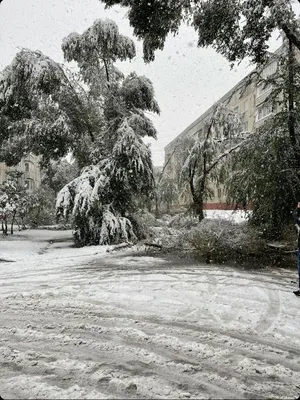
(225, 154)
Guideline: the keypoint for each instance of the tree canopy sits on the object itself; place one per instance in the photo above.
(40, 109)
(222, 137)
(97, 113)
(101, 199)
(265, 172)
(235, 28)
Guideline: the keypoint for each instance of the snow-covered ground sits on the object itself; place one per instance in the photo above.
(237, 216)
(84, 323)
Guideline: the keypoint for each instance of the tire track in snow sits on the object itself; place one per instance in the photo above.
(172, 354)
(272, 312)
(74, 313)
(108, 348)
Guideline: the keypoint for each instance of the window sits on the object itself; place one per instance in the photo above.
(219, 193)
(29, 183)
(266, 72)
(27, 167)
(244, 106)
(245, 126)
(262, 88)
(264, 111)
(269, 70)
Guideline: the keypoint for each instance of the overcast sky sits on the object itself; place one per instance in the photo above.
(187, 80)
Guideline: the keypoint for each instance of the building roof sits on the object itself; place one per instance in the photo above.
(227, 95)
(209, 111)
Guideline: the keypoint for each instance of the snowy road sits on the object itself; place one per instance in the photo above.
(76, 324)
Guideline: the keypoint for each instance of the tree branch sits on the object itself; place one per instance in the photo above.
(166, 164)
(192, 171)
(223, 155)
(290, 34)
(106, 70)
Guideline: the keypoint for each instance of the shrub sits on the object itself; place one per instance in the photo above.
(142, 222)
(183, 221)
(221, 240)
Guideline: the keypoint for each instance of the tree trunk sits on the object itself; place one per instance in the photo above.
(200, 200)
(12, 223)
(168, 207)
(4, 226)
(19, 227)
(149, 205)
(291, 105)
(197, 196)
(156, 206)
(23, 223)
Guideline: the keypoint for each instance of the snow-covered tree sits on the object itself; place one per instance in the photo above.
(167, 192)
(265, 172)
(41, 111)
(97, 114)
(58, 173)
(96, 51)
(40, 207)
(103, 197)
(235, 28)
(13, 200)
(222, 136)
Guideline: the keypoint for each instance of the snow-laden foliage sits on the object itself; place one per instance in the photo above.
(103, 194)
(97, 113)
(40, 109)
(88, 199)
(235, 28)
(167, 192)
(265, 172)
(31, 72)
(78, 195)
(101, 200)
(220, 240)
(131, 158)
(96, 50)
(138, 92)
(56, 174)
(13, 200)
(40, 207)
(140, 123)
(101, 41)
(222, 136)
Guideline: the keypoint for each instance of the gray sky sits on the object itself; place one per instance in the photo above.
(187, 80)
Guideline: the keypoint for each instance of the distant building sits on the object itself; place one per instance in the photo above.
(30, 168)
(247, 98)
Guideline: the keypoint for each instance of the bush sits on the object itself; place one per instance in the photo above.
(142, 222)
(40, 207)
(221, 240)
(183, 220)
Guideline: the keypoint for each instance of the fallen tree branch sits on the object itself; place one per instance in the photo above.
(158, 246)
(119, 246)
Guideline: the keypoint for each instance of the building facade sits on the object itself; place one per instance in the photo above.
(30, 168)
(247, 99)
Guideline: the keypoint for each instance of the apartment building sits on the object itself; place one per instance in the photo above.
(30, 168)
(247, 98)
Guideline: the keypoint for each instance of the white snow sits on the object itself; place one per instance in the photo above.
(85, 323)
(237, 216)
